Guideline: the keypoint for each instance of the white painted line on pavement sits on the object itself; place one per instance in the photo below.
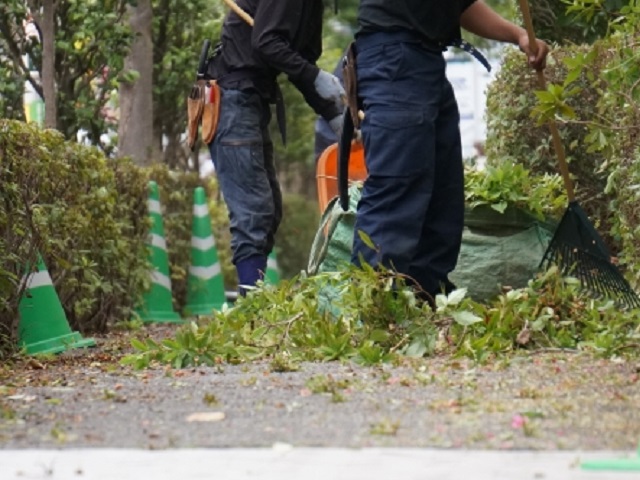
(286, 463)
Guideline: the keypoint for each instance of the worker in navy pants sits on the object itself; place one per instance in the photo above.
(412, 204)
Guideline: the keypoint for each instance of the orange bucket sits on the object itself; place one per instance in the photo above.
(327, 171)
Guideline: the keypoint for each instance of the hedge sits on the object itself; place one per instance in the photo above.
(83, 213)
(601, 140)
(86, 215)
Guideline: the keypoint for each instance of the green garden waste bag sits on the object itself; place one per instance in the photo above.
(499, 250)
(331, 248)
(332, 245)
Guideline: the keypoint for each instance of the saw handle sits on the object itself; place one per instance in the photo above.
(202, 63)
(555, 134)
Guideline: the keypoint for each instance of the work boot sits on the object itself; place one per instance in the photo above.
(250, 270)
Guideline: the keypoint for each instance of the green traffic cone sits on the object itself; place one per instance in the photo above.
(272, 275)
(157, 304)
(43, 326)
(205, 285)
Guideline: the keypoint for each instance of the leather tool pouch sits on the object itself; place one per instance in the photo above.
(203, 103)
(350, 83)
(211, 112)
(195, 109)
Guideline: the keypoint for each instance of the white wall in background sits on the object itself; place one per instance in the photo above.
(470, 80)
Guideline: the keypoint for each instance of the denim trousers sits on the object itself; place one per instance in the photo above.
(412, 205)
(242, 153)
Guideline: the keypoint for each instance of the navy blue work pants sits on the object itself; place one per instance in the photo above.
(242, 153)
(412, 205)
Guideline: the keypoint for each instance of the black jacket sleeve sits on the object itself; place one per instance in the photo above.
(278, 26)
(277, 23)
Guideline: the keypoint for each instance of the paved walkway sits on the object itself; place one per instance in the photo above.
(283, 462)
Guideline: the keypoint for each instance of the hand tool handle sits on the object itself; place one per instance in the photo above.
(239, 11)
(202, 63)
(344, 153)
(555, 134)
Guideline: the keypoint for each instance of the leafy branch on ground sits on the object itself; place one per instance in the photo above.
(511, 184)
(371, 317)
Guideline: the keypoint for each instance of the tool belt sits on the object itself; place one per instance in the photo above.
(203, 109)
(203, 103)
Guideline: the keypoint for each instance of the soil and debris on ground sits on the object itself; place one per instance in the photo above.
(547, 400)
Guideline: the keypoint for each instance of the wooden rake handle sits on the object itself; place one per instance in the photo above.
(555, 134)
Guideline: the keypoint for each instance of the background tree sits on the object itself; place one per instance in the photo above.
(15, 49)
(575, 21)
(91, 40)
(47, 23)
(135, 128)
(179, 28)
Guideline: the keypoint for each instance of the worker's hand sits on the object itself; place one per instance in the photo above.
(336, 125)
(329, 87)
(537, 56)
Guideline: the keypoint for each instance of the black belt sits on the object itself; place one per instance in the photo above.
(368, 40)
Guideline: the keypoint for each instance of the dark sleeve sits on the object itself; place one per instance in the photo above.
(276, 23)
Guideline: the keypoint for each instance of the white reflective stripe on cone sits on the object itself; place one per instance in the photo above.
(203, 244)
(154, 206)
(200, 211)
(161, 279)
(37, 279)
(158, 241)
(205, 273)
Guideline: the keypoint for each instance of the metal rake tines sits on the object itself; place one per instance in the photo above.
(599, 277)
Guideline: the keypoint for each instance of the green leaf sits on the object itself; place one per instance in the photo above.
(366, 240)
(466, 318)
(455, 297)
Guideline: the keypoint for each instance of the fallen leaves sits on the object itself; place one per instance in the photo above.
(206, 417)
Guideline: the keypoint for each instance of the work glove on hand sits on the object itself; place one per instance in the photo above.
(329, 87)
(336, 125)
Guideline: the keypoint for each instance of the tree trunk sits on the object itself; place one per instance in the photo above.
(135, 132)
(48, 64)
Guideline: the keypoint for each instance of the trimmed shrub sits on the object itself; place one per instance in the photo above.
(514, 136)
(617, 132)
(81, 212)
(599, 99)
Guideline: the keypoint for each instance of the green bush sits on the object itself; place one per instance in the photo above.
(81, 212)
(87, 216)
(513, 135)
(593, 92)
(616, 131)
